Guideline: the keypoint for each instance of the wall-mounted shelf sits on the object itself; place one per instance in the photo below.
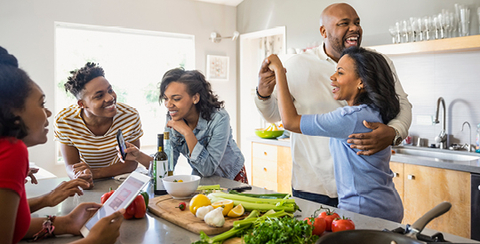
(464, 43)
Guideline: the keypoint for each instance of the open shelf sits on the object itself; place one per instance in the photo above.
(455, 44)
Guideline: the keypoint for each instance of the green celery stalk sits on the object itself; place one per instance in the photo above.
(243, 222)
(265, 196)
(249, 199)
(208, 187)
(252, 203)
(227, 234)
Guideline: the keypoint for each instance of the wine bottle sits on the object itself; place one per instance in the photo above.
(160, 167)
(169, 152)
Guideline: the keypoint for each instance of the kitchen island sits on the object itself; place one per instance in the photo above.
(422, 178)
(153, 229)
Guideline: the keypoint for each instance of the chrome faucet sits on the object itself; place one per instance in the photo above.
(442, 137)
(468, 145)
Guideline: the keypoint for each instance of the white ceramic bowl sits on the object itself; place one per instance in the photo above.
(183, 189)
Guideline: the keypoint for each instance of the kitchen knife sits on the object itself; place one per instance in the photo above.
(240, 188)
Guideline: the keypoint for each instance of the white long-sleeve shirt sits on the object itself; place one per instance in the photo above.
(308, 77)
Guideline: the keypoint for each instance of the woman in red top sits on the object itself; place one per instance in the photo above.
(23, 122)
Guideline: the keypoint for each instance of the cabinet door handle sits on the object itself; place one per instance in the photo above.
(411, 177)
(265, 153)
(264, 169)
(395, 174)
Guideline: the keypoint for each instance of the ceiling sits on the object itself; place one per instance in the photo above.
(223, 2)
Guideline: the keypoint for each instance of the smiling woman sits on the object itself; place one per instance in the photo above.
(23, 122)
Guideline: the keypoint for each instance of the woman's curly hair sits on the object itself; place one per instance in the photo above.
(196, 83)
(15, 87)
(378, 80)
(80, 77)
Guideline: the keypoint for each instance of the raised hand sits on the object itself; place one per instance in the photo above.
(266, 80)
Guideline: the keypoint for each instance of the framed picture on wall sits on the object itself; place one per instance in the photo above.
(217, 68)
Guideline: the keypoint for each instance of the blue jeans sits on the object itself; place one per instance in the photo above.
(323, 199)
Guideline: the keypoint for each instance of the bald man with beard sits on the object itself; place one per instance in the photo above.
(308, 76)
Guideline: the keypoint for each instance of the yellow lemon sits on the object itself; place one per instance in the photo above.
(180, 180)
(198, 201)
(237, 211)
(226, 204)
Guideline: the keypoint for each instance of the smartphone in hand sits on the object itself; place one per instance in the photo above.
(121, 144)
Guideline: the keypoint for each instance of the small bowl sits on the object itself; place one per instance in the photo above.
(268, 134)
(181, 190)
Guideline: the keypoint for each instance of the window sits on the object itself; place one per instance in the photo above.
(134, 62)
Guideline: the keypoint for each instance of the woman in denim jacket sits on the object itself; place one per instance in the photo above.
(199, 127)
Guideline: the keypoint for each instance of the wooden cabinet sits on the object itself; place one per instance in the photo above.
(425, 187)
(272, 167)
(397, 169)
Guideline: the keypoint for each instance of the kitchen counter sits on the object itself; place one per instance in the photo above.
(153, 229)
(284, 142)
(472, 166)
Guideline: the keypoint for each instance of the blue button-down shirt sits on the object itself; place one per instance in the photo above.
(216, 153)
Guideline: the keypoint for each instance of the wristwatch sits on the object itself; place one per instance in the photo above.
(397, 139)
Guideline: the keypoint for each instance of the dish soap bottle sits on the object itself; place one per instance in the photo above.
(478, 139)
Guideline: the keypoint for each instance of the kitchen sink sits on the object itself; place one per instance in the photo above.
(437, 154)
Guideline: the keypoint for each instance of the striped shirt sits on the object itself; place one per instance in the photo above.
(97, 151)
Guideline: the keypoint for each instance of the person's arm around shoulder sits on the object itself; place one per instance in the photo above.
(383, 135)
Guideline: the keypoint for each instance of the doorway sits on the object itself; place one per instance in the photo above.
(254, 48)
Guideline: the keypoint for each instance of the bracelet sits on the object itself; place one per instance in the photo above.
(47, 229)
(258, 94)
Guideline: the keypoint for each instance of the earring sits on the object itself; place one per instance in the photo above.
(359, 88)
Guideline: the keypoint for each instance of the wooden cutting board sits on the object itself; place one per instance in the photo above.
(165, 207)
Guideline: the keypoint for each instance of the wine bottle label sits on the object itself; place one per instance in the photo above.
(161, 169)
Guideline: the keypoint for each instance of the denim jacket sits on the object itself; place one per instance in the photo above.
(216, 153)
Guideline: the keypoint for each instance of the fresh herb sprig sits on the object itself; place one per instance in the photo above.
(281, 230)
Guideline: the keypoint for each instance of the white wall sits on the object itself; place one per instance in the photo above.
(302, 16)
(424, 77)
(27, 31)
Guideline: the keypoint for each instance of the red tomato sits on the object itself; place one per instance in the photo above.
(319, 225)
(329, 217)
(342, 224)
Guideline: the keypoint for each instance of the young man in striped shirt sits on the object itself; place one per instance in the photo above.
(87, 130)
